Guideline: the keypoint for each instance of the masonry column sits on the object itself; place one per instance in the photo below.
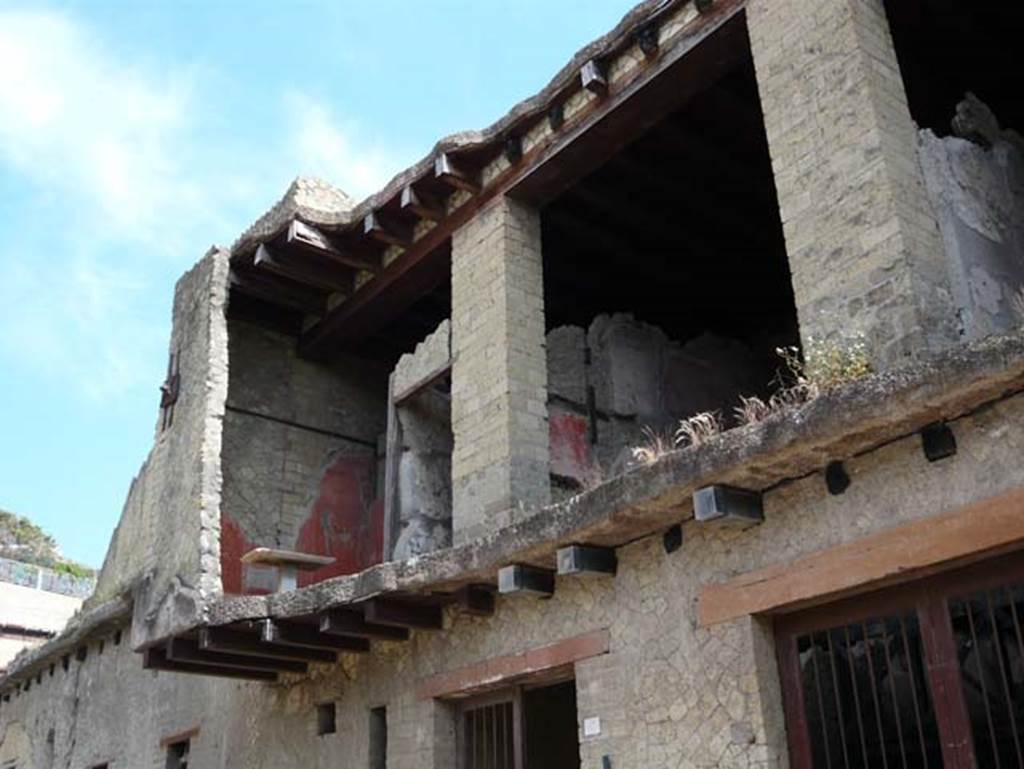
(499, 376)
(863, 242)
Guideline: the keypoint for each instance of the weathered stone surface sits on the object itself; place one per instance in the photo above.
(430, 355)
(567, 368)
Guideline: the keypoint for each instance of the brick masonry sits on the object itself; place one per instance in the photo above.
(499, 377)
(862, 238)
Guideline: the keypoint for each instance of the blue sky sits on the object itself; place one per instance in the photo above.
(135, 135)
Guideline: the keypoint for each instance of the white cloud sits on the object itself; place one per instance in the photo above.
(121, 176)
(322, 145)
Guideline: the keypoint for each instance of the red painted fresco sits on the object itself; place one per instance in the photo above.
(345, 522)
(570, 445)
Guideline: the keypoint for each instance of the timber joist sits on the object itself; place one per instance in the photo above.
(261, 650)
(396, 246)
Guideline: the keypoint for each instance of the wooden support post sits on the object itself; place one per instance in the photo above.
(392, 462)
(421, 205)
(454, 174)
(156, 659)
(584, 559)
(520, 578)
(477, 600)
(346, 622)
(402, 614)
(308, 636)
(184, 650)
(593, 78)
(386, 231)
(235, 642)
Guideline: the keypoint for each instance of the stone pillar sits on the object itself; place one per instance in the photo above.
(863, 242)
(499, 375)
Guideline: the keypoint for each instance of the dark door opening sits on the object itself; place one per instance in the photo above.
(930, 674)
(522, 727)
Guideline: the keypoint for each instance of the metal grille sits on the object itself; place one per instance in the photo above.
(865, 695)
(987, 628)
(489, 737)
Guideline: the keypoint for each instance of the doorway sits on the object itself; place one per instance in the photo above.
(520, 727)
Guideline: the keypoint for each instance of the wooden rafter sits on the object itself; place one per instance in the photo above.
(326, 277)
(314, 241)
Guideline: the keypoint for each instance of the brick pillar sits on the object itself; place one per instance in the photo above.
(863, 242)
(499, 377)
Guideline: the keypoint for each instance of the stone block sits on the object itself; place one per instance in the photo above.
(567, 367)
(625, 365)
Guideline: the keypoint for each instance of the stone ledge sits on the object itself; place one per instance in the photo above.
(853, 419)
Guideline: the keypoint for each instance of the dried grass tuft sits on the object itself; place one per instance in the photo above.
(698, 429)
(752, 410)
(655, 446)
(1017, 304)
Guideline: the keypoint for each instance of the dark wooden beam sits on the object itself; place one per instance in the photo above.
(156, 659)
(453, 173)
(522, 578)
(284, 294)
(584, 559)
(556, 115)
(477, 600)
(647, 39)
(326, 277)
(304, 236)
(513, 149)
(346, 622)
(704, 52)
(384, 230)
(184, 650)
(593, 78)
(309, 636)
(237, 642)
(402, 614)
(422, 205)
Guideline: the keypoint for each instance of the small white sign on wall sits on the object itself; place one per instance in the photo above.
(592, 726)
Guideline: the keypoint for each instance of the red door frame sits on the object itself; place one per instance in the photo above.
(929, 598)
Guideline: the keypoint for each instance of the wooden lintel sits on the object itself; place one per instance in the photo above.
(312, 240)
(422, 205)
(308, 636)
(477, 600)
(237, 642)
(184, 650)
(455, 174)
(981, 530)
(156, 659)
(402, 614)
(404, 396)
(346, 622)
(326, 276)
(387, 231)
(266, 288)
(593, 79)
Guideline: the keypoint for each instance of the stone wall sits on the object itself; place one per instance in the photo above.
(166, 545)
(863, 244)
(499, 379)
(976, 185)
(300, 456)
(620, 377)
(669, 693)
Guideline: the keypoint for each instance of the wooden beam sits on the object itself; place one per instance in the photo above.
(556, 115)
(973, 533)
(304, 236)
(584, 559)
(184, 650)
(431, 378)
(236, 642)
(402, 614)
(308, 636)
(513, 149)
(387, 231)
(346, 622)
(647, 39)
(593, 79)
(326, 276)
(726, 504)
(455, 174)
(477, 600)
(522, 578)
(422, 205)
(294, 296)
(156, 659)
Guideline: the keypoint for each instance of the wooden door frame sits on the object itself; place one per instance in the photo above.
(928, 599)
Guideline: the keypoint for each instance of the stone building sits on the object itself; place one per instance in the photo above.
(392, 516)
